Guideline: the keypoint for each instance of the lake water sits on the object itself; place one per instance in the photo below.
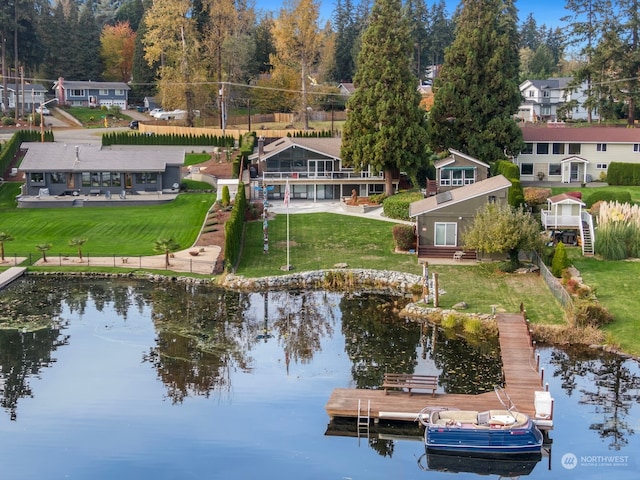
(171, 381)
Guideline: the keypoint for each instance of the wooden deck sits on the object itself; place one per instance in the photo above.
(10, 274)
(521, 382)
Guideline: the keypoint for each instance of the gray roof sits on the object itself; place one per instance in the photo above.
(451, 159)
(458, 195)
(329, 147)
(61, 157)
(28, 87)
(70, 84)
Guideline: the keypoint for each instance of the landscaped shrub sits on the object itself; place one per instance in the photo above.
(233, 229)
(623, 173)
(226, 197)
(535, 195)
(404, 237)
(607, 196)
(587, 313)
(397, 206)
(505, 168)
(12, 145)
(516, 195)
(560, 260)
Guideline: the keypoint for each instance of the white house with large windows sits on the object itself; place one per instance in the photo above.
(579, 154)
(542, 99)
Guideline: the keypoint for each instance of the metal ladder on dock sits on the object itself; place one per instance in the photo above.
(363, 420)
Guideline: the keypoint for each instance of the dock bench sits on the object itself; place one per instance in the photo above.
(410, 382)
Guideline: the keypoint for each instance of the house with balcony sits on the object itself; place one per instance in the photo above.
(92, 94)
(575, 155)
(312, 167)
(552, 99)
(27, 96)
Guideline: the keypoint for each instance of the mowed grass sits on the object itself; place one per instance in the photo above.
(615, 284)
(322, 240)
(108, 230)
(633, 191)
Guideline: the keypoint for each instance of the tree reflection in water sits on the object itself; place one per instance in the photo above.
(204, 335)
(610, 387)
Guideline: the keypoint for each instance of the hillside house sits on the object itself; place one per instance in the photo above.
(552, 99)
(92, 94)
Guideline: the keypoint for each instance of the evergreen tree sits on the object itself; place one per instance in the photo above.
(346, 34)
(385, 129)
(440, 33)
(87, 56)
(477, 93)
(144, 75)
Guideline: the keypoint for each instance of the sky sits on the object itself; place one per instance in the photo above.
(546, 12)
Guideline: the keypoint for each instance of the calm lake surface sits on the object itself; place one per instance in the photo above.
(170, 381)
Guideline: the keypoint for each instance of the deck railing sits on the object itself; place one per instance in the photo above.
(342, 175)
(559, 221)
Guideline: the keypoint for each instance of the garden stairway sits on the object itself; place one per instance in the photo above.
(586, 239)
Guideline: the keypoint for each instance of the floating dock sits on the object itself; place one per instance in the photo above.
(523, 380)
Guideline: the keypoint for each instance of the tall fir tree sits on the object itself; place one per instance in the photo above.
(87, 56)
(385, 129)
(477, 91)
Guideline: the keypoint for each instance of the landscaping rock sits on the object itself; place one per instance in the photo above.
(460, 306)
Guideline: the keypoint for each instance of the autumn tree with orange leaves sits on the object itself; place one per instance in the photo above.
(117, 47)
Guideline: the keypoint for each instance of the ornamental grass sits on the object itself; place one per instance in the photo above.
(618, 234)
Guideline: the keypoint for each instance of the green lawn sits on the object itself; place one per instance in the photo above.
(109, 230)
(94, 117)
(320, 240)
(633, 191)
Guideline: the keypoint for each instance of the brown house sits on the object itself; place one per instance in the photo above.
(441, 219)
(458, 170)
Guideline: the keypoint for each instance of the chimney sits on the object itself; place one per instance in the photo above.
(77, 153)
(260, 146)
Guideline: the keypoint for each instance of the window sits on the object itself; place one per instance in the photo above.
(86, 179)
(601, 147)
(546, 93)
(528, 149)
(457, 176)
(36, 177)
(120, 92)
(146, 177)
(532, 94)
(542, 148)
(491, 199)
(545, 110)
(58, 177)
(445, 234)
(636, 147)
(76, 93)
(574, 149)
(601, 166)
(526, 169)
(558, 148)
(104, 91)
(555, 169)
(101, 179)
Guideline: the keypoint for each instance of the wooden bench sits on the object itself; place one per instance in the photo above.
(410, 382)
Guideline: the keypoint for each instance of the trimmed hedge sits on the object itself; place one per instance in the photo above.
(607, 196)
(397, 206)
(137, 138)
(233, 230)
(11, 147)
(625, 174)
(506, 168)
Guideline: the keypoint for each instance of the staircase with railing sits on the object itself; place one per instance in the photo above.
(587, 234)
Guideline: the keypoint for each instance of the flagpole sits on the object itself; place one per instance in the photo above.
(288, 199)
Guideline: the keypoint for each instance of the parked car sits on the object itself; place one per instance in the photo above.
(134, 124)
(44, 110)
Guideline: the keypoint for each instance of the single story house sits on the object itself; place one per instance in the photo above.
(313, 169)
(92, 94)
(442, 218)
(577, 155)
(28, 96)
(346, 88)
(63, 174)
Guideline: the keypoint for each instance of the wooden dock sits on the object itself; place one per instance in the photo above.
(521, 375)
(10, 274)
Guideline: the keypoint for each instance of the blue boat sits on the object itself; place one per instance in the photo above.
(490, 432)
